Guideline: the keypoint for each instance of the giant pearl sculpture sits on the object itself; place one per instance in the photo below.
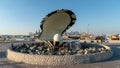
(57, 38)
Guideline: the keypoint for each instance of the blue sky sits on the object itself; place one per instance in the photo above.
(24, 16)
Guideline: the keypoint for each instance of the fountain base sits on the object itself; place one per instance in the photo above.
(59, 59)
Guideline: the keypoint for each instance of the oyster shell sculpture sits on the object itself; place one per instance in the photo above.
(56, 22)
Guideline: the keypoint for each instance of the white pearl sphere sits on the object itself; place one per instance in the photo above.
(57, 37)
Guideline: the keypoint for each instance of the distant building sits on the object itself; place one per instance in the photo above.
(86, 36)
(1, 38)
(71, 35)
(114, 37)
(35, 35)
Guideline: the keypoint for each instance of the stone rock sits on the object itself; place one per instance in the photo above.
(74, 51)
(39, 52)
(77, 45)
(93, 49)
(40, 48)
(80, 52)
(69, 52)
(58, 53)
(42, 52)
(27, 45)
(33, 47)
(50, 52)
(64, 48)
(62, 52)
(85, 51)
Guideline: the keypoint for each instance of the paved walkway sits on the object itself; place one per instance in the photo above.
(114, 62)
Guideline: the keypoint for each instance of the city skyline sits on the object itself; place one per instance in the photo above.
(18, 17)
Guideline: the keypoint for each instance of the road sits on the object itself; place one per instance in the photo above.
(113, 62)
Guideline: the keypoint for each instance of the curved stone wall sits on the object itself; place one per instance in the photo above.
(58, 60)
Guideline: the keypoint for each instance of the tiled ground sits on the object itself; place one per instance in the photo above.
(114, 62)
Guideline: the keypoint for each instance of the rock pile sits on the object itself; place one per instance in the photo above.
(63, 48)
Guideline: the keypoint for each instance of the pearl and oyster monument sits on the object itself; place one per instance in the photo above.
(52, 49)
